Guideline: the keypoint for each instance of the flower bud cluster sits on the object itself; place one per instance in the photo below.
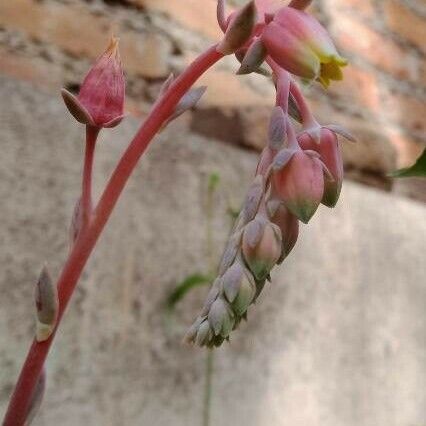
(297, 170)
(264, 234)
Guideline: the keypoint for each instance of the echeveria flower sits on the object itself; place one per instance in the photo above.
(331, 155)
(300, 185)
(297, 42)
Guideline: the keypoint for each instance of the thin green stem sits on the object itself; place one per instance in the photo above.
(209, 363)
(208, 387)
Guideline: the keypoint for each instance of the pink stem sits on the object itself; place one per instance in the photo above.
(86, 192)
(305, 112)
(19, 403)
(284, 83)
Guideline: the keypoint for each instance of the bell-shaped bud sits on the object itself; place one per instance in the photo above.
(300, 185)
(288, 224)
(212, 295)
(230, 252)
(331, 155)
(100, 102)
(204, 334)
(253, 197)
(221, 318)
(188, 101)
(261, 246)
(239, 29)
(253, 59)
(239, 287)
(300, 44)
(193, 330)
(36, 398)
(47, 304)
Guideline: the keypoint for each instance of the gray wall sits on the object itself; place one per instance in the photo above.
(338, 338)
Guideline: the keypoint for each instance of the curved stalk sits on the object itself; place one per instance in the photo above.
(86, 191)
(20, 400)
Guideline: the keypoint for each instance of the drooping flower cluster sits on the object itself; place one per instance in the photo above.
(299, 168)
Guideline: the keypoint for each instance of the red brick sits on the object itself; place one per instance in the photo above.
(359, 88)
(407, 148)
(406, 23)
(228, 90)
(72, 28)
(408, 111)
(30, 69)
(199, 16)
(356, 38)
(365, 8)
(75, 30)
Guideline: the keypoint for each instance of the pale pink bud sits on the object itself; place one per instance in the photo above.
(297, 42)
(100, 101)
(288, 224)
(253, 58)
(239, 29)
(77, 222)
(221, 318)
(47, 304)
(253, 198)
(300, 185)
(261, 246)
(331, 155)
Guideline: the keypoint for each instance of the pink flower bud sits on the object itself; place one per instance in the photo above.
(331, 155)
(300, 185)
(100, 101)
(239, 29)
(47, 305)
(288, 224)
(261, 246)
(297, 42)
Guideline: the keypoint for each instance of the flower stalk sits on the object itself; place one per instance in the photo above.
(87, 238)
(296, 171)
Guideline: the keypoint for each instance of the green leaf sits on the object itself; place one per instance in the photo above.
(417, 169)
(182, 288)
(233, 212)
(214, 180)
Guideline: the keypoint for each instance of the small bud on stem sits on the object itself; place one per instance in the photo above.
(47, 305)
(239, 29)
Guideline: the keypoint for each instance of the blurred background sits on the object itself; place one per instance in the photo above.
(340, 337)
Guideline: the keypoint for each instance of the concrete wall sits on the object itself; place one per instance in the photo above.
(338, 338)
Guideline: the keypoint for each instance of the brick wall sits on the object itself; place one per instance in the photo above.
(382, 99)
